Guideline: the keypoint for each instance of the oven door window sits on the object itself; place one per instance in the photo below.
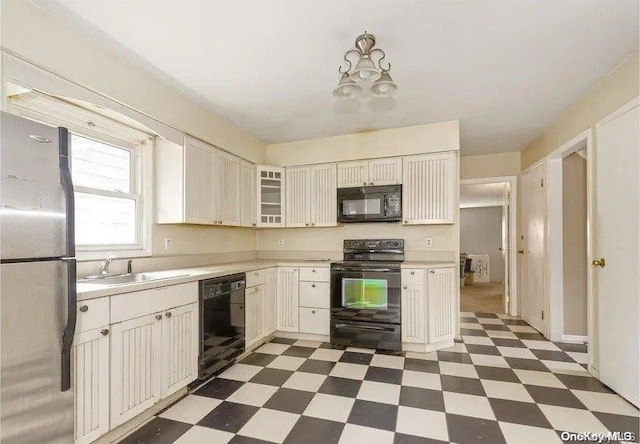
(365, 293)
(368, 206)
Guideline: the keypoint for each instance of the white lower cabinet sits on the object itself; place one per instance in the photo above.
(314, 320)
(91, 384)
(287, 299)
(136, 350)
(413, 313)
(269, 302)
(441, 310)
(253, 303)
(180, 348)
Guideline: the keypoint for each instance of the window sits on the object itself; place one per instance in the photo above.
(111, 171)
(106, 202)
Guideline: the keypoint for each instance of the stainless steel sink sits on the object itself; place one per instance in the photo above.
(132, 278)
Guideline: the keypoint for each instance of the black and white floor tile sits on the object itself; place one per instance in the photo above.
(502, 383)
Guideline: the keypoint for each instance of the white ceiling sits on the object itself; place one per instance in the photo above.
(483, 195)
(505, 69)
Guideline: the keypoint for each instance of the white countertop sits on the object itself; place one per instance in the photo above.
(92, 289)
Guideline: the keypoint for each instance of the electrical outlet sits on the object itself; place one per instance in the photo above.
(167, 243)
(429, 242)
(281, 243)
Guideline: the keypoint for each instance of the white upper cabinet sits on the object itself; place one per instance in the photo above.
(385, 171)
(196, 184)
(429, 188)
(270, 196)
(311, 196)
(228, 190)
(200, 164)
(323, 195)
(247, 194)
(298, 201)
(353, 174)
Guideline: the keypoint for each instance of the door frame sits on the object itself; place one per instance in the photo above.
(511, 263)
(554, 260)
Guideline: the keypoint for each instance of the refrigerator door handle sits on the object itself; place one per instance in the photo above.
(67, 185)
(70, 328)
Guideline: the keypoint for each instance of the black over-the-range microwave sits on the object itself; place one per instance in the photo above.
(370, 204)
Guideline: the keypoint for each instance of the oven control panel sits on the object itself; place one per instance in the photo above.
(374, 244)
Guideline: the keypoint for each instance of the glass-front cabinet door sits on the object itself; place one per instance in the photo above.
(270, 191)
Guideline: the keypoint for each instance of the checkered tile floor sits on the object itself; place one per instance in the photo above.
(503, 383)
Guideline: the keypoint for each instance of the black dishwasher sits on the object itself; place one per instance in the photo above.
(222, 322)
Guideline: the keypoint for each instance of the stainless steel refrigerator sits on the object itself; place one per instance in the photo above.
(38, 283)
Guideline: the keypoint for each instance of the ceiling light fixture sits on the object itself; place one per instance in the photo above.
(366, 71)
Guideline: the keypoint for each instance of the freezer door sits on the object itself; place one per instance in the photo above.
(34, 192)
(34, 316)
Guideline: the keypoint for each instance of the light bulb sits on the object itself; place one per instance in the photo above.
(383, 89)
(364, 74)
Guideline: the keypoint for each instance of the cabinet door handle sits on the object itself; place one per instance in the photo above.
(253, 225)
(432, 271)
(405, 222)
(168, 314)
(313, 285)
(313, 312)
(364, 183)
(413, 272)
(104, 332)
(84, 308)
(405, 287)
(158, 317)
(313, 270)
(256, 273)
(306, 225)
(370, 183)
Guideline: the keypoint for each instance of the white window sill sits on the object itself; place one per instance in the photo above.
(92, 255)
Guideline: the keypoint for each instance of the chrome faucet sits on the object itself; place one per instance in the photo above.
(104, 267)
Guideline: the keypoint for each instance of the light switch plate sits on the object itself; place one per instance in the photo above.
(167, 243)
(281, 243)
(429, 242)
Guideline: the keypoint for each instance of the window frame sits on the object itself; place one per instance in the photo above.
(91, 125)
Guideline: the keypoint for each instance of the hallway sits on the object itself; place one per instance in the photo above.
(482, 298)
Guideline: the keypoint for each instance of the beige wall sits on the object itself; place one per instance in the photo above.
(610, 93)
(490, 165)
(35, 35)
(574, 255)
(419, 139)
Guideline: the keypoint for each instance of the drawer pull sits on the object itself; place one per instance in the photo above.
(84, 308)
(104, 332)
(313, 312)
(168, 314)
(432, 271)
(405, 287)
(313, 285)
(313, 271)
(158, 317)
(413, 272)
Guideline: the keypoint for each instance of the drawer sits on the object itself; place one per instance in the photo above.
(92, 314)
(255, 278)
(412, 276)
(314, 274)
(314, 294)
(314, 320)
(140, 303)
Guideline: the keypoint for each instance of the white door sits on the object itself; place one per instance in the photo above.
(429, 189)
(287, 299)
(269, 303)
(617, 296)
(198, 178)
(441, 304)
(298, 197)
(91, 384)
(247, 194)
(136, 367)
(180, 339)
(532, 251)
(228, 189)
(253, 315)
(323, 195)
(353, 174)
(385, 171)
(413, 314)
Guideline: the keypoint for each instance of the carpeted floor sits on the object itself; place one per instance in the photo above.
(482, 298)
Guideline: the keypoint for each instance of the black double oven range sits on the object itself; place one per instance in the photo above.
(365, 294)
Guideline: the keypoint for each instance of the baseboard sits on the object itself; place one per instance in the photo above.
(304, 336)
(575, 338)
(439, 345)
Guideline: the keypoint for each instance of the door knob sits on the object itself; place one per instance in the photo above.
(520, 251)
(599, 263)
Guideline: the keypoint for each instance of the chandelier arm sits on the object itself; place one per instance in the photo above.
(378, 50)
(346, 59)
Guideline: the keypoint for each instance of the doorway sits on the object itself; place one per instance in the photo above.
(485, 231)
